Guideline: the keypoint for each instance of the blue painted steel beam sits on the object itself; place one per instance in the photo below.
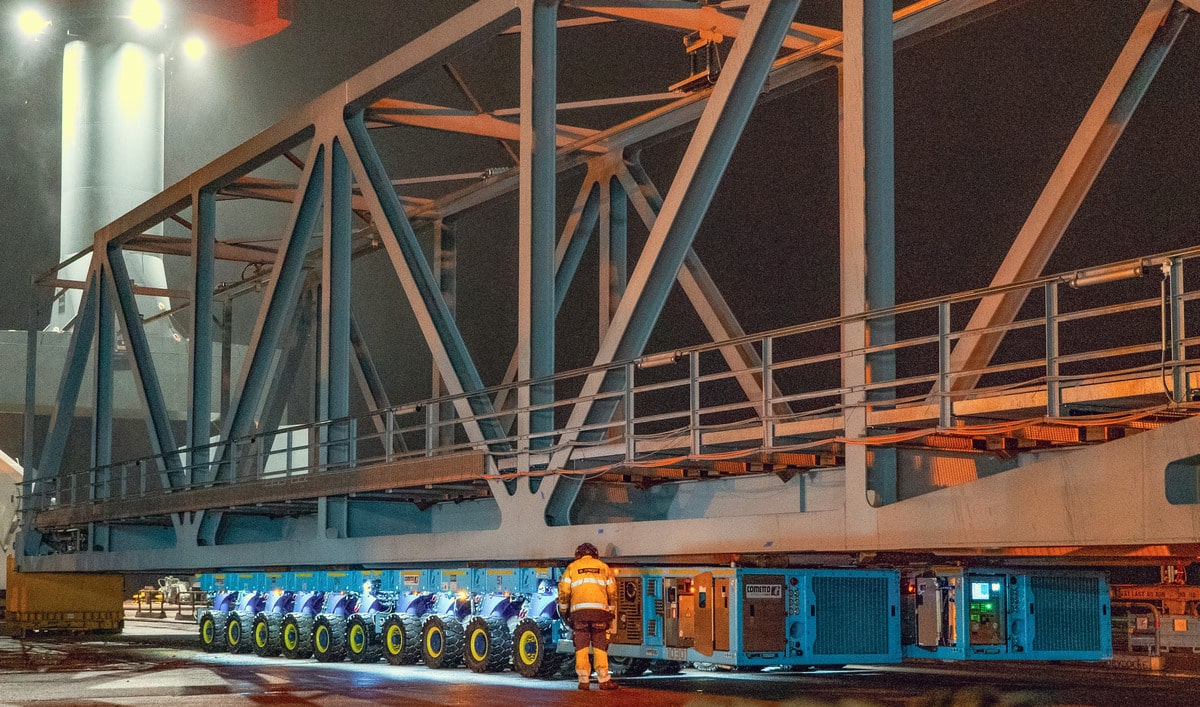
(334, 371)
(141, 361)
(574, 242)
(292, 361)
(535, 336)
(378, 397)
(68, 388)
(437, 324)
(278, 303)
(102, 417)
(204, 228)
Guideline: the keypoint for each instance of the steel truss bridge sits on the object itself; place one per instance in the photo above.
(1044, 417)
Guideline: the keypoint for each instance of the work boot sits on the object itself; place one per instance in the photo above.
(608, 685)
(588, 686)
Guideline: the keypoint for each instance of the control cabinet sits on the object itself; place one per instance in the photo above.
(1002, 614)
(748, 616)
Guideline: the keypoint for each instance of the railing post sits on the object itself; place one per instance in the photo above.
(694, 400)
(1053, 386)
(430, 429)
(945, 399)
(389, 434)
(1179, 379)
(630, 442)
(768, 392)
(257, 448)
(287, 465)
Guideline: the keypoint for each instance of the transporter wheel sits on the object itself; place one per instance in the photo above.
(623, 667)
(362, 643)
(212, 631)
(329, 638)
(237, 631)
(266, 634)
(488, 644)
(442, 642)
(402, 639)
(297, 636)
(533, 652)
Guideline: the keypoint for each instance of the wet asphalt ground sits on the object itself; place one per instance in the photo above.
(159, 663)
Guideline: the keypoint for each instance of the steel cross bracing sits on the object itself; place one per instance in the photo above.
(854, 462)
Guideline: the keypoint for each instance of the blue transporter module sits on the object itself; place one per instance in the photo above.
(667, 617)
(1004, 614)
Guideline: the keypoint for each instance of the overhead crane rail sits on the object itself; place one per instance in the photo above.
(1071, 377)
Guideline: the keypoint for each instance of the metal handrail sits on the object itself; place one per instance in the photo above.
(345, 443)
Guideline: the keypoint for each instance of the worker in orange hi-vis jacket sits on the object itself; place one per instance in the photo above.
(586, 598)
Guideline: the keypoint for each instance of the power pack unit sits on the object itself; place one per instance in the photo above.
(757, 617)
(1002, 614)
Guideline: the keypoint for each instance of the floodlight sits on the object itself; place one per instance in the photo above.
(147, 14)
(194, 48)
(32, 23)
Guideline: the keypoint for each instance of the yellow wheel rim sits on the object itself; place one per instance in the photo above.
(434, 642)
(479, 644)
(395, 640)
(531, 645)
(290, 637)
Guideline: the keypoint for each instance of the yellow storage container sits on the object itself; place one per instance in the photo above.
(62, 601)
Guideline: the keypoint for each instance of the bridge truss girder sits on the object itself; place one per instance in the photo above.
(343, 178)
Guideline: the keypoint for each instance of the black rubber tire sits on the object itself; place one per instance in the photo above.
(442, 642)
(533, 654)
(622, 667)
(488, 647)
(329, 638)
(665, 667)
(212, 631)
(237, 632)
(298, 646)
(362, 641)
(266, 634)
(401, 639)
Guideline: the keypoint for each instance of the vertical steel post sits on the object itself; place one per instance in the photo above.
(1053, 385)
(226, 356)
(539, 76)
(204, 233)
(102, 418)
(334, 372)
(867, 233)
(1179, 377)
(945, 397)
(445, 271)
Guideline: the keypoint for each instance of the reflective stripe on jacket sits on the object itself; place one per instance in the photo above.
(587, 583)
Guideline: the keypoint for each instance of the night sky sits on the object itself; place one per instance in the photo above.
(982, 115)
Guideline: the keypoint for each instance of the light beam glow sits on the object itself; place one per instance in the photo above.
(32, 23)
(194, 48)
(146, 14)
